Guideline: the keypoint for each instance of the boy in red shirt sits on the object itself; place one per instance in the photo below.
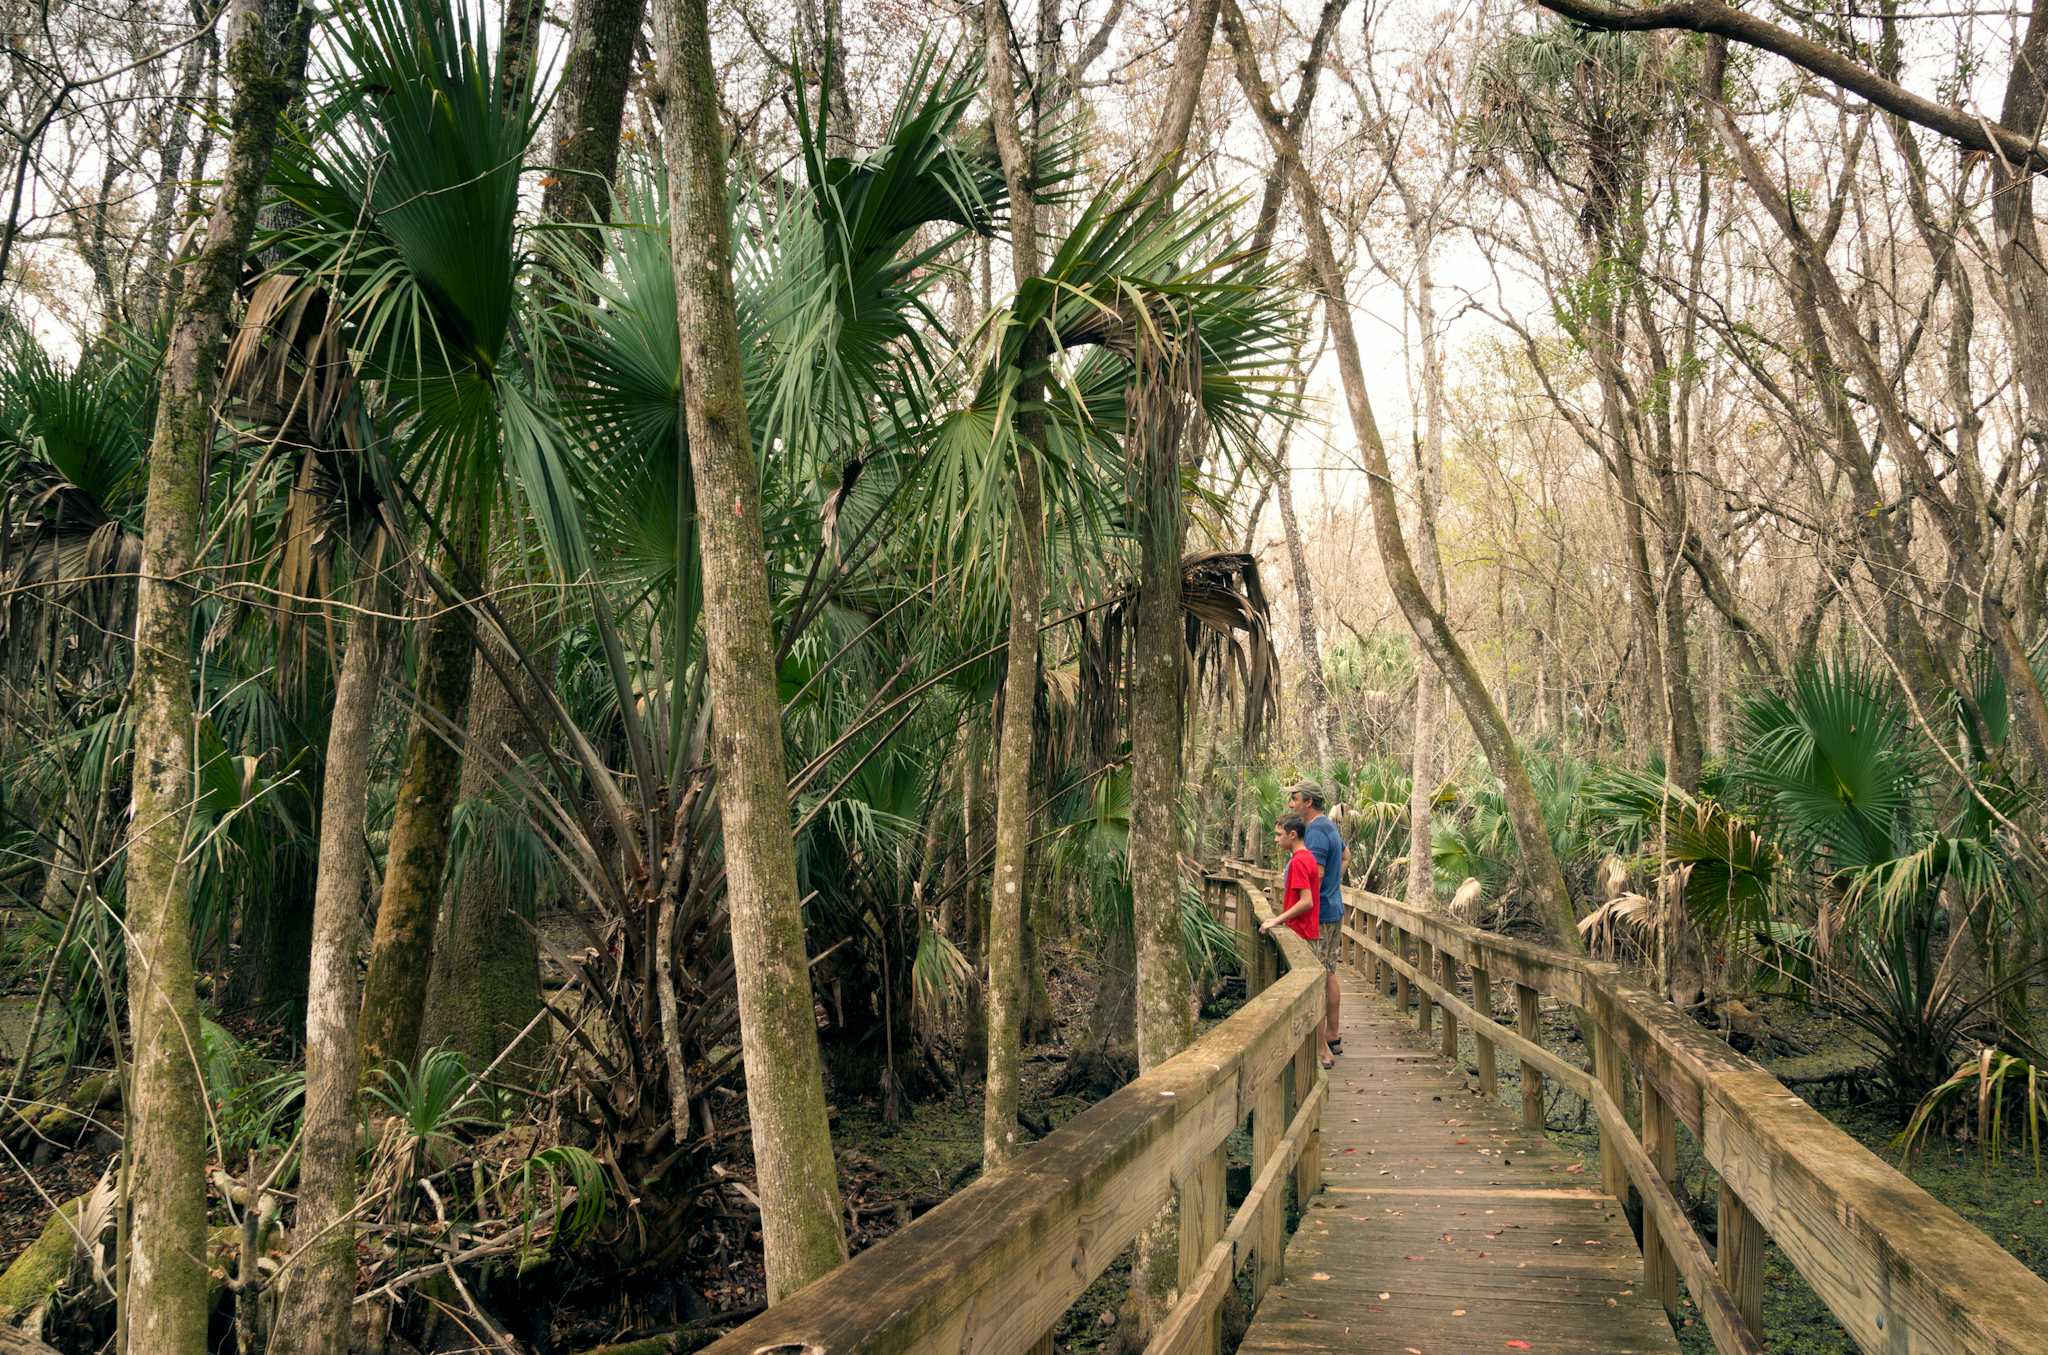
(1300, 896)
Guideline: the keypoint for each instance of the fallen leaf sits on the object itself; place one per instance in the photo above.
(1457, 1312)
(1385, 1297)
(1519, 1345)
(1319, 1275)
(1411, 1258)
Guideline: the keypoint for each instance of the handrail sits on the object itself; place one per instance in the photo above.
(993, 1268)
(1902, 1272)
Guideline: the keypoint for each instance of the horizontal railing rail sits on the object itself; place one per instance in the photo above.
(1902, 1272)
(993, 1268)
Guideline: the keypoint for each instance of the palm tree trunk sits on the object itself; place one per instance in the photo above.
(484, 987)
(802, 1236)
(1544, 879)
(402, 947)
(1020, 680)
(316, 1297)
(164, 1307)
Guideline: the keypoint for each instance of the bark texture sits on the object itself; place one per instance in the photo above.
(1318, 719)
(316, 1295)
(801, 1232)
(1007, 900)
(1544, 879)
(485, 983)
(402, 947)
(1429, 487)
(590, 110)
(165, 1299)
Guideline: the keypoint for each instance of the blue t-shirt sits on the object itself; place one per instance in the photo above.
(1327, 844)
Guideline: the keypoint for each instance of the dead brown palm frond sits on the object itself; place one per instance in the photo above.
(1227, 631)
(289, 377)
(1623, 922)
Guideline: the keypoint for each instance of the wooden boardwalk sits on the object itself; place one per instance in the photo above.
(1445, 1227)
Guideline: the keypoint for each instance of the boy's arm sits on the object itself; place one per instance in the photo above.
(1307, 902)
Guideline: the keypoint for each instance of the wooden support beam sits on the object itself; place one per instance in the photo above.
(1400, 971)
(1425, 965)
(1269, 1124)
(1482, 998)
(1607, 1070)
(1201, 1228)
(1248, 943)
(1661, 1147)
(1740, 1259)
(1450, 983)
(1308, 1076)
(1526, 1025)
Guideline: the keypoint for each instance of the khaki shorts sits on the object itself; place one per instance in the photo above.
(1330, 943)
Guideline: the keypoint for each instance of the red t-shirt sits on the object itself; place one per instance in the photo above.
(1303, 872)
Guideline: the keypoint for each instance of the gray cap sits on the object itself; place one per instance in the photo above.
(1311, 791)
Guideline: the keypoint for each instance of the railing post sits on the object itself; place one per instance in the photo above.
(1607, 1068)
(1425, 966)
(1308, 1168)
(1247, 938)
(1201, 1227)
(1662, 1148)
(1528, 1028)
(1740, 1258)
(1391, 982)
(1400, 949)
(1448, 966)
(1482, 999)
(1269, 1127)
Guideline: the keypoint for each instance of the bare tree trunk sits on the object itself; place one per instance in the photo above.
(801, 1231)
(1545, 881)
(1430, 706)
(1020, 681)
(1317, 719)
(590, 110)
(180, 116)
(317, 1294)
(818, 24)
(164, 1308)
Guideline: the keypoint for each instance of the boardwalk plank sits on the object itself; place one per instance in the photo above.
(1444, 1226)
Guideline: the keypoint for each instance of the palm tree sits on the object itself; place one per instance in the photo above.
(404, 193)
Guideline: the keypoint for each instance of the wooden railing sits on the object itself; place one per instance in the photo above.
(994, 1268)
(1900, 1271)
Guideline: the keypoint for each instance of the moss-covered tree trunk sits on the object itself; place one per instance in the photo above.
(402, 946)
(801, 1231)
(165, 1304)
(1020, 679)
(316, 1295)
(590, 110)
(485, 984)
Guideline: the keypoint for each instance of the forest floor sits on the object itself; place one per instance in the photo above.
(891, 1173)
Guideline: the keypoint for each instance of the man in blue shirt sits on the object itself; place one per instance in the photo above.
(1326, 844)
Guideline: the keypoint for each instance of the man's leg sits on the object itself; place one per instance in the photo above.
(1331, 949)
